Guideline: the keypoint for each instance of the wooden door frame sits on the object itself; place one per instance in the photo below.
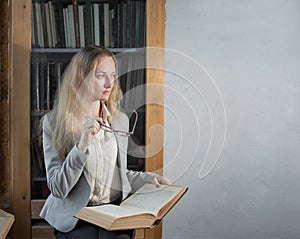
(19, 114)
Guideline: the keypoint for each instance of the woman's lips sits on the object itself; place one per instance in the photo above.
(106, 92)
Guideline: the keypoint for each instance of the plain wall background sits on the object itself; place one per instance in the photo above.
(233, 71)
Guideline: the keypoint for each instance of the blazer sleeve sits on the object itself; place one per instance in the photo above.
(138, 179)
(62, 174)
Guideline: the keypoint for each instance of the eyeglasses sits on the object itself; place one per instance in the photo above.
(121, 132)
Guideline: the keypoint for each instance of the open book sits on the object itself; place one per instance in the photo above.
(6, 221)
(143, 209)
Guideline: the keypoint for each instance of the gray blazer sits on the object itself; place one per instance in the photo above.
(70, 189)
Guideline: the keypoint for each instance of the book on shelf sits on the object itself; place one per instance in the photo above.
(35, 87)
(45, 83)
(106, 17)
(143, 209)
(53, 81)
(81, 28)
(95, 7)
(115, 23)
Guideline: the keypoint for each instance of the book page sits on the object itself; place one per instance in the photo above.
(117, 211)
(150, 198)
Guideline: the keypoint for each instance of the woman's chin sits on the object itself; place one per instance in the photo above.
(104, 99)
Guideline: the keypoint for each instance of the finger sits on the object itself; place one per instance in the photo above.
(166, 181)
(156, 182)
(99, 120)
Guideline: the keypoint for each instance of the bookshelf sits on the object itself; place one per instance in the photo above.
(22, 55)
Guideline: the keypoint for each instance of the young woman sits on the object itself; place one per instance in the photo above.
(85, 147)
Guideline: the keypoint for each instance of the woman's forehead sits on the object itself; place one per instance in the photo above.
(106, 64)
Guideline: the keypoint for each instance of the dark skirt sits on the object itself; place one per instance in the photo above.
(85, 230)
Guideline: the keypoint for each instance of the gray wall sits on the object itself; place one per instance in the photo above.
(232, 110)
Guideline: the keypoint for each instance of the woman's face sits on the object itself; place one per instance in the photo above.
(105, 75)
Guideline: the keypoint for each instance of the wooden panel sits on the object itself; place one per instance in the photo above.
(36, 207)
(140, 234)
(5, 169)
(42, 232)
(155, 93)
(155, 84)
(154, 233)
(19, 121)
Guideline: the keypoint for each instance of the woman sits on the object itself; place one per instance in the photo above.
(85, 159)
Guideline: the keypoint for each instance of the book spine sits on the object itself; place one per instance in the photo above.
(124, 25)
(40, 30)
(44, 24)
(120, 25)
(75, 20)
(66, 26)
(72, 26)
(34, 26)
(47, 96)
(42, 86)
(54, 75)
(81, 25)
(137, 23)
(35, 87)
(143, 25)
(59, 25)
(114, 25)
(95, 7)
(106, 25)
(89, 19)
(128, 23)
(58, 73)
(101, 19)
(53, 24)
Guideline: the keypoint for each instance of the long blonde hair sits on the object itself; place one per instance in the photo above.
(71, 105)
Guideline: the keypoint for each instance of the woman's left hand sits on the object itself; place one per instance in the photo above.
(158, 180)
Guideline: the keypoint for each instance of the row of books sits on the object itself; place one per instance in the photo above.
(45, 83)
(75, 24)
(46, 78)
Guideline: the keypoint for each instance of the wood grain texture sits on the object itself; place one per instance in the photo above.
(5, 175)
(155, 38)
(155, 84)
(19, 111)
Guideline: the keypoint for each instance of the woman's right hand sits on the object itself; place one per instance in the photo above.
(89, 129)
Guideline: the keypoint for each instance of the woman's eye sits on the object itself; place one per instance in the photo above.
(100, 76)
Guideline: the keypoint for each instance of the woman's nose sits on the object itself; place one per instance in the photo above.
(108, 82)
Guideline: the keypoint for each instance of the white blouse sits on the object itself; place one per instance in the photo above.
(102, 169)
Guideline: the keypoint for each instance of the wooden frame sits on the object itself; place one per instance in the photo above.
(19, 106)
(19, 114)
(155, 38)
